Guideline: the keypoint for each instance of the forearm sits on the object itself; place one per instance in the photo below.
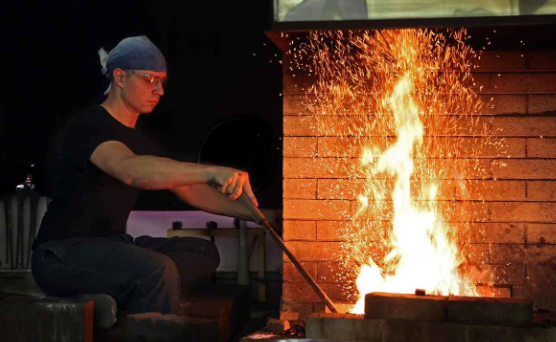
(209, 199)
(154, 173)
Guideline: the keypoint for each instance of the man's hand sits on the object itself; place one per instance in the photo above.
(231, 182)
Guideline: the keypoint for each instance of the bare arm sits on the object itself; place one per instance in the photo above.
(146, 172)
(154, 173)
(207, 198)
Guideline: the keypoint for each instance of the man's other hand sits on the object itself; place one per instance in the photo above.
(232, 182)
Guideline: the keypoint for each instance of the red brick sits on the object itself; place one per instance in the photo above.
(543, 296)
(524, 126)
(337, 292)
(541, 233)
(522, 212)
(460, 190)
(300, 292)
(299, 230)
(304, 309)
(332, 230)
(541, 60)
(341, 146)
(300, 126)
(300, 188)
(541, 104)
(495, 274)
(496, 292)
(357, 126)
(541, 275)
(476, 253)
(493, 233)
(299, 105)
(540, 254)
(313, 251)
(463, 169)
(467, 147)
(461, 211)
(524, 169)
(290, 273)
(469, 126)
(541, 148)
(350, 168)
(500, 61)
(298, 83)
(503, 104)
(339, 188)
(517, 83)
(521, 292)
(507, 254)
(295, 105)
(492, 191)
(333, 272)
(469, 211)
(541, 190)
(300, 146)
(316, 210)
(492, 148)
(319, 168)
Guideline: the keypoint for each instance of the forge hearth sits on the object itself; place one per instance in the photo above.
(510, 251)
(390, 317)
(450, 309)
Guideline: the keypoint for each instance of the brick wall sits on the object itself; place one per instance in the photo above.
(516, 245)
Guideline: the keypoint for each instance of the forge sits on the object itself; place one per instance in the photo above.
(419, 155)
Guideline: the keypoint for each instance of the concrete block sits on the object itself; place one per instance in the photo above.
(277, 326)
(490, 311)
(421, 331)
(154, 327)
(45, 319)
(229, 304)
(489, 333)
(343, 327)
(289, 315)
(404, 306)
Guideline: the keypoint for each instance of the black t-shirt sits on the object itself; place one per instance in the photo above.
(86, 200)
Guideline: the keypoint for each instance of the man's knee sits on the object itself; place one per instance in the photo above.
(163, 268)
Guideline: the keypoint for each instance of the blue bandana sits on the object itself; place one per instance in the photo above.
(133, 53)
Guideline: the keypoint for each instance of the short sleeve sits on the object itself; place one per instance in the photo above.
(86, 132)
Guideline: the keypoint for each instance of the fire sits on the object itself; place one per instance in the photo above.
(405, 103)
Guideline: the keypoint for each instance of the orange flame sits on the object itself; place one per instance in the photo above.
(403, 101)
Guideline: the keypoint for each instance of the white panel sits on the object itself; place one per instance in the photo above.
(3, 244)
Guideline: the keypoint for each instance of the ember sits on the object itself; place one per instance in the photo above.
(408, 102)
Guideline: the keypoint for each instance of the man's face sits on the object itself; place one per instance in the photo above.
(142, 89)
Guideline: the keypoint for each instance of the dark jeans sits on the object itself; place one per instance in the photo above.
(145, 274)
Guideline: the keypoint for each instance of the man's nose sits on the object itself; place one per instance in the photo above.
(158, 89)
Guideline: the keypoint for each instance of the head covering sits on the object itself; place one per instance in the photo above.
(133, 53)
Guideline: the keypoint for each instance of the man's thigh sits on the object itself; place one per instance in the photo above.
(94, 265)
(195, 258)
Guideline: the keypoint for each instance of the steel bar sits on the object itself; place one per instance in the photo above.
(259, 217)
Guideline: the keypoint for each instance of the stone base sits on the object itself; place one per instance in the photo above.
(348, 327)
(45, 319)
(227, 304)
(450, 309)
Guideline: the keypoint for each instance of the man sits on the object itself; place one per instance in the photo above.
(81, 246)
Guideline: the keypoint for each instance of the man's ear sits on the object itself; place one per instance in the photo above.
(118, 77)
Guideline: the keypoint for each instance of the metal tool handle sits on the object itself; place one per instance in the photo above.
(259, 217)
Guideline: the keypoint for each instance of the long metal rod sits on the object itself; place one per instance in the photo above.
(259, 217)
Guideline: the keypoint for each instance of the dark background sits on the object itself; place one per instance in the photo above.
(221, 66)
